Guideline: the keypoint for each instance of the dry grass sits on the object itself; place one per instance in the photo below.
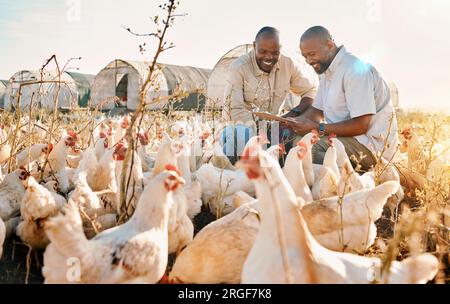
(421, 224)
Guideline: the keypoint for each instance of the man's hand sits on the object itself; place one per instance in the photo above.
(302, 125)
(304, 105)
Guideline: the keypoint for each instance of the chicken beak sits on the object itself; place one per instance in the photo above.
(250, 167)
(173, 182)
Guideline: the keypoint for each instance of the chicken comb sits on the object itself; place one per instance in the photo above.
(119, 145)
(125, 122)
(330, 142)
(72, 134)
(102, 134)
(406, 133)
(170, 167)
(302, 145)
(302, 151)
(143, 138)
(282, 148)
(205, 135)
(50, 148)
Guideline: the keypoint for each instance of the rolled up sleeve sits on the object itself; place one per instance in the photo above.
(234, 105)
(302, 85)
(359, 90)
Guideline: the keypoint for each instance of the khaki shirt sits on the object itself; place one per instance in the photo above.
(351, 88)
(251, 89)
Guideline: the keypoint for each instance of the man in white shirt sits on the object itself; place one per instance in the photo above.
(352, 99)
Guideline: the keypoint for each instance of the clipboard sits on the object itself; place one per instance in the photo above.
(268, 116)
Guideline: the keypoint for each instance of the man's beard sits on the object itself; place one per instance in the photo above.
(322, 67)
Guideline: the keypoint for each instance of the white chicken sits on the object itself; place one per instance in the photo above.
(121, 129)
(2, 236)
(293, 170)
(57, 161)
(285, 251)
(88, 164)
(35, 151)
(101, 145)
(135, 252)
(147, 161)
(192, 189)
(415, 151)
(168, 153)
(326, 184)
(218, 251)
(219, 159)
(349, 180)
(134, 179)
(309, 139)
(385, 171)
(181, 229)
(57, 157)
(5, 148)
(276, 151)
(219, 183)
(74, 157)
(103, 216)
(11, 193)
(37, 206)
(103, 176)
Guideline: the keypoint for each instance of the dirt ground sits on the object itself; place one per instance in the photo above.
(13, 264)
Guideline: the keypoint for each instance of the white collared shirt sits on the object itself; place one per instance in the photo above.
(350, 88)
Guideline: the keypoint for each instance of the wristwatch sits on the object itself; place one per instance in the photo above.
(322, 129)
(296, 111)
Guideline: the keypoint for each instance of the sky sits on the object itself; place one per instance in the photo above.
(406, 40)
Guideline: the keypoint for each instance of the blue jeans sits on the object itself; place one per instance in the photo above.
(234, 139)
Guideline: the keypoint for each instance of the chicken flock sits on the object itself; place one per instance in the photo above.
(300, 223)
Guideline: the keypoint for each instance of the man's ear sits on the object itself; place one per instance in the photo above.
(330, 44)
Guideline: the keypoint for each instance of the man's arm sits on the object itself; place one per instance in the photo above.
(349, 128)
(304, 105)
(234, 107)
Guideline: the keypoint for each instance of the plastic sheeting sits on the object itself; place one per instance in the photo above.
(108, 89)
(3, 84)
(65, 90)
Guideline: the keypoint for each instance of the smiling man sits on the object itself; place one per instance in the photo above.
(260, 81)
(353, 101)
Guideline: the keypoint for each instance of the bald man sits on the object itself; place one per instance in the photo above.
(260, 81)
(353, 102)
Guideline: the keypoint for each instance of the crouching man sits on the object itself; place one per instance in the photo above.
(352, 101)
